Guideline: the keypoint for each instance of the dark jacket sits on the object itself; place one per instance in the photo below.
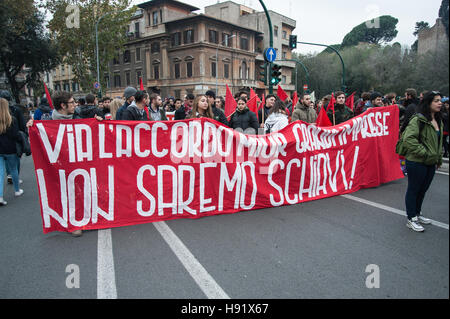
(410, 109)
(244, 119)
(16, 112)
(133, 113)
(43, 109)
(220, 116)
(121, 110)
(87, 112)
(260, 114)
(181, 113)
(342, 113)
(9, 138)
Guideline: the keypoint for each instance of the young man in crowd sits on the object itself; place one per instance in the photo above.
(156, 109)
(341, 112)
(185, 110)
(128, 94)
(303, 110)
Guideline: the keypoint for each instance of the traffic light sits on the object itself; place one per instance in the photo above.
(275, 75)
(263, 72)
(292, 41)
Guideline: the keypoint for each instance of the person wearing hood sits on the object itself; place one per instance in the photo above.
(277, 118)
(89, 110)
(303, 111)
(243, 118)
(44, 110)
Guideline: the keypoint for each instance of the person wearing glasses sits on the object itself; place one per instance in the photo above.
(64, 104)
(422, 145)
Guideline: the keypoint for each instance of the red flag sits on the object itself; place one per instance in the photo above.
(350, 100)
(252, 94)
(294, 100)
(252, 104)
(49, 98)
(263, 102)
(142, 85)
(230, 103)
(331, 103)
(322, 119)
(281, 94)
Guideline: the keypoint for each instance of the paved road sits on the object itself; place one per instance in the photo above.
(318, 249)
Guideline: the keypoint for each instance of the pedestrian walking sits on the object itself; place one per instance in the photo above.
(422, 148)
(9, 136)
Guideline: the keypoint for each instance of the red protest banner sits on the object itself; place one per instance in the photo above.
(199, 167)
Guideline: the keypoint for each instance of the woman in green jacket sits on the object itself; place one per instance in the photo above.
(422, 141)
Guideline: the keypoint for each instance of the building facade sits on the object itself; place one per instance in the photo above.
(431, 39)
(176, 51)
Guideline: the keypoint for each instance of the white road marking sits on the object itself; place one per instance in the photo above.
(106, 278)
(390, 209)
(443, 173)
(203, 279)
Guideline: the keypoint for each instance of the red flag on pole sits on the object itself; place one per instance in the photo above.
(230, 103)
(49, 98)
(331, 103)
(252, 94)
(294, 100)
(141, 84)
(322, 119)
(281, 94)
(350, 100)
(252, 104)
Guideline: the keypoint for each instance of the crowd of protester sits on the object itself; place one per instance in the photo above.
(272, 116)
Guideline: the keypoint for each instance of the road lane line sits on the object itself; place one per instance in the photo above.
(390, 209)
(203, 279)
(106, 278)
(443, 173)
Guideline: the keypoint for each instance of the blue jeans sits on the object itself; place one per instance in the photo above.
(420, 177)
(9, 162)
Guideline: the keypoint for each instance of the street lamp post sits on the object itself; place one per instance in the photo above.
(297, 61)
(340, 57)
(96, 50)
(217, 59)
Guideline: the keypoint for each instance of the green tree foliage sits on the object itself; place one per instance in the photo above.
(25, 48)
(378, 31)
(369, 67)
(77, 40)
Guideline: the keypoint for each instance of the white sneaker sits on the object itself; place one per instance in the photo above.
(18, 193)
(423, 220)
(414, 224)
(2, 202)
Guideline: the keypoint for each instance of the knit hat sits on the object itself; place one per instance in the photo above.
(129, 92)
(375, 95)
(211, 93)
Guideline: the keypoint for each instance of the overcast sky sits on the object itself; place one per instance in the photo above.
(328, 21)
